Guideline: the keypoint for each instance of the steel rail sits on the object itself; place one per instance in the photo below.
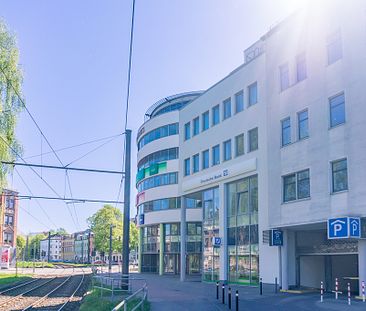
(19, 285)
(45, 296)
(73, 294)
(26, 292)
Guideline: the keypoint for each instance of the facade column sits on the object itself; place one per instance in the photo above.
(223, 233)
(284, 261)
(183, 235)
(361, 263)
(140, 249)
(161, 252)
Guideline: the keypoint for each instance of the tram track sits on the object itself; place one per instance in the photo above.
(57, 292)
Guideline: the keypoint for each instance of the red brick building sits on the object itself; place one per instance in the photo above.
(8, 218)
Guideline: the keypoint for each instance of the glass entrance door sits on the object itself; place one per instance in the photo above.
(194, 264)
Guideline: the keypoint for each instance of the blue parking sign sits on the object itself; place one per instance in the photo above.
(338, 228)
(354, 227)
(276, 237)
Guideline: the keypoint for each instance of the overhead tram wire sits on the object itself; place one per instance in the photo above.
(39, 204)
(75, 146)
(128, 90)
(39, 176)
(36, 124)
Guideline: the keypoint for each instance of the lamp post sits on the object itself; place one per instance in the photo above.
(110, 247)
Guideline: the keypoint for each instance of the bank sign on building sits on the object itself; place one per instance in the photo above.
(263, 174)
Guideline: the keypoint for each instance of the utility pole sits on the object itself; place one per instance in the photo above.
(89, 248)
(49, 246)
(82, 247)
(110, 247)
(126, 208)
(26, 249)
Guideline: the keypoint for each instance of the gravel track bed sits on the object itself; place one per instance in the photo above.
(21, 302)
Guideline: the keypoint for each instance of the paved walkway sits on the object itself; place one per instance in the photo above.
(167, 293)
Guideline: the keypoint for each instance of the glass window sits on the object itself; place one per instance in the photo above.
(339, 175)
(303, 184)
(215, 115)
(296, 186)
(239, 145)
(196, 163)
(239, 101)
(289, 188)
(253, 139)
(227, 108)
(334, 47)
(160, 132)
(227, 150)
(286, 131)
(301, 68)
(216, 155)
(303, 123)
(337, 110)
(284, 77)
(157, 181)
(196, 126)
(253, 95)
(158, 156)
(187, 167)
(205, 159)
(205, 121)
(187, 131)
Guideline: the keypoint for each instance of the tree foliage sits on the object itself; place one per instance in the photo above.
(20, 244)
(100, 223)
(10, 105)
(34, 244)
(59, 231)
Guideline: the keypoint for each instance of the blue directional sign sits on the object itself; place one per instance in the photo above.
(354, 227)
(216, 241)
(338, 228)
(344, 228)
(276, 237)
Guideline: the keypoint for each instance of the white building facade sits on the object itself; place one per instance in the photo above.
(278, 144)
(54, 244)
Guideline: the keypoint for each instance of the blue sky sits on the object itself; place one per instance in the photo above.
(74, 55)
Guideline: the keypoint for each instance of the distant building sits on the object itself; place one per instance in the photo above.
(8, 218)
(55, 247)
(83, 246)
(68, 247)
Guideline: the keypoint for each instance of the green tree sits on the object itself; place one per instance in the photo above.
(35, 244)
(20, 245)
(10, 105)
(100, 223)
(59, 231)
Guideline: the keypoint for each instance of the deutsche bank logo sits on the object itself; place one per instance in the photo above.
(344, 227)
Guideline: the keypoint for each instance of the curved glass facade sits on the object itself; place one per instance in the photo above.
(158, 156)
(158, 205)
(169, 108)
(157, 181)
(160, 132)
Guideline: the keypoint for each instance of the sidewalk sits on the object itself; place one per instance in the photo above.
(167, 293)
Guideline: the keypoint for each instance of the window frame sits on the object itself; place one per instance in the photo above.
(215, 109)
(285, 66)
(236, 145)
(332, 175)
(300, 121)
(330, 109)
(187, 166)
(216, 147)
(296, 177)
(250, 140)
(207, 151)
(187, 131)
(250, 87)
(203, 120)
(237, 94)
(194, 168)
(225, 104)
(196, 126)
(283, 144)
(224, 144)
(301, 58)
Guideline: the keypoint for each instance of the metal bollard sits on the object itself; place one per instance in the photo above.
(217, 290)
(349, 293)
(276, 285)
(223, 293)
(336, 288)
(260, 287)
(321, 291)
(363, 291)
(237, 301)
(229, 298)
